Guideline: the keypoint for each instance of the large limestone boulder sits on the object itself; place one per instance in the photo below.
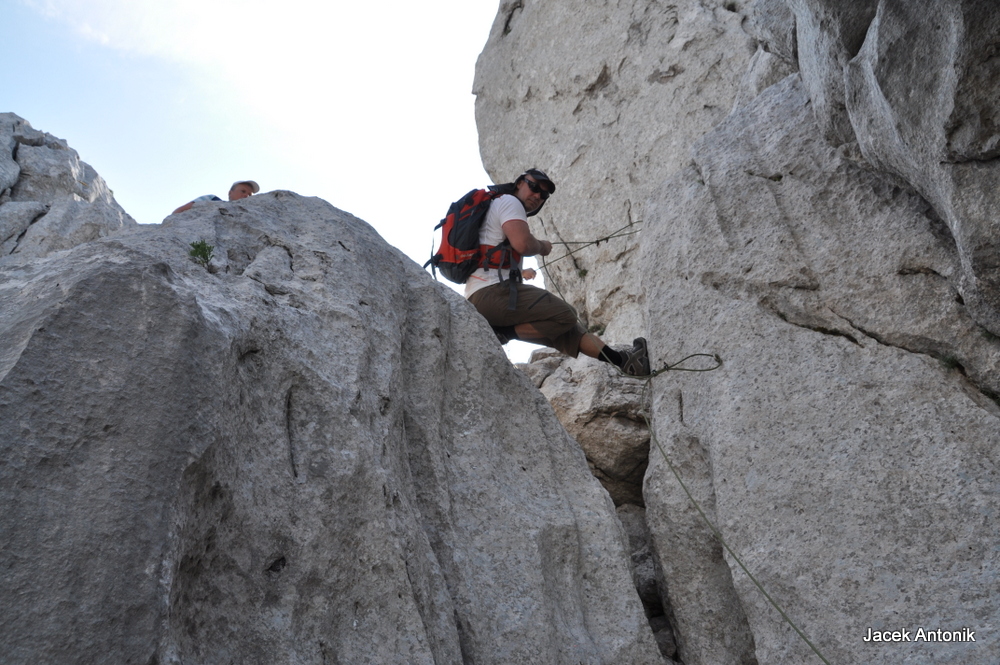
(303, 451)
(830, 232)
(50, 200)
(847, 450)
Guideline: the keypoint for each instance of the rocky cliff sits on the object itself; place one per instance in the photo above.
(49, 199)
(303, 450)
(815, 183)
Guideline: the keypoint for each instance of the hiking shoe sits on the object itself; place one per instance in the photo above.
(636, 359)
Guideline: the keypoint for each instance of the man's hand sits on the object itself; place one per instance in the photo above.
(528, 273)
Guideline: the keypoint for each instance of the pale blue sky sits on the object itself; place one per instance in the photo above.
(369, 107)
(366, 105)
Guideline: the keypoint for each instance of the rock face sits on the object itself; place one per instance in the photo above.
(946, 146)
(831, 233)
(602, 410)
(848, 448)
(305, 451)
(49, 199)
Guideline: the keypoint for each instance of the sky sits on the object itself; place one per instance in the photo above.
(367, 105)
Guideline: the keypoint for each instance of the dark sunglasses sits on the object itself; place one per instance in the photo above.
(537, 189)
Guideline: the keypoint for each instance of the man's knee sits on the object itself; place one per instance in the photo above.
(561, 313)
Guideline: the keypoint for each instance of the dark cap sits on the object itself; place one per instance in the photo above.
(540, 176)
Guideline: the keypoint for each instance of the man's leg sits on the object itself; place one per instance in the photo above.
(527, 332)
(538, 317)
(591, 345)
(634, 361)
(542, 318)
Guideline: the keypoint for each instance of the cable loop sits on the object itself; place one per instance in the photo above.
(676, 366)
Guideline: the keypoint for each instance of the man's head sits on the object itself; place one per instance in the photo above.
(533, 187)
(243, 189)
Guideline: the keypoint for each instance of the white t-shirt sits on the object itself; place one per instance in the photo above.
(503, 209)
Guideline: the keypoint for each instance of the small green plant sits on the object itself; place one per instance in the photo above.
(201, 252)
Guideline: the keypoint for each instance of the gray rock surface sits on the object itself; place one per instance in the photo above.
(848, 448)
(306, 451)
(50, 200)
(602, 410)
(828, 33)
(922, 98)
(9, 168)
(833, 239)
(15, 218)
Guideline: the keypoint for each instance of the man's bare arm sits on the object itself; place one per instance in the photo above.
(522, 241)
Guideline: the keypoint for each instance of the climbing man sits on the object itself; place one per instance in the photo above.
(240, 190)
(528, 313)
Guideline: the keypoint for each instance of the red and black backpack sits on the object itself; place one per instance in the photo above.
(460, 253)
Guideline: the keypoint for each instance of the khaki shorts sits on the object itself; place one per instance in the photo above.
(555, 319)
